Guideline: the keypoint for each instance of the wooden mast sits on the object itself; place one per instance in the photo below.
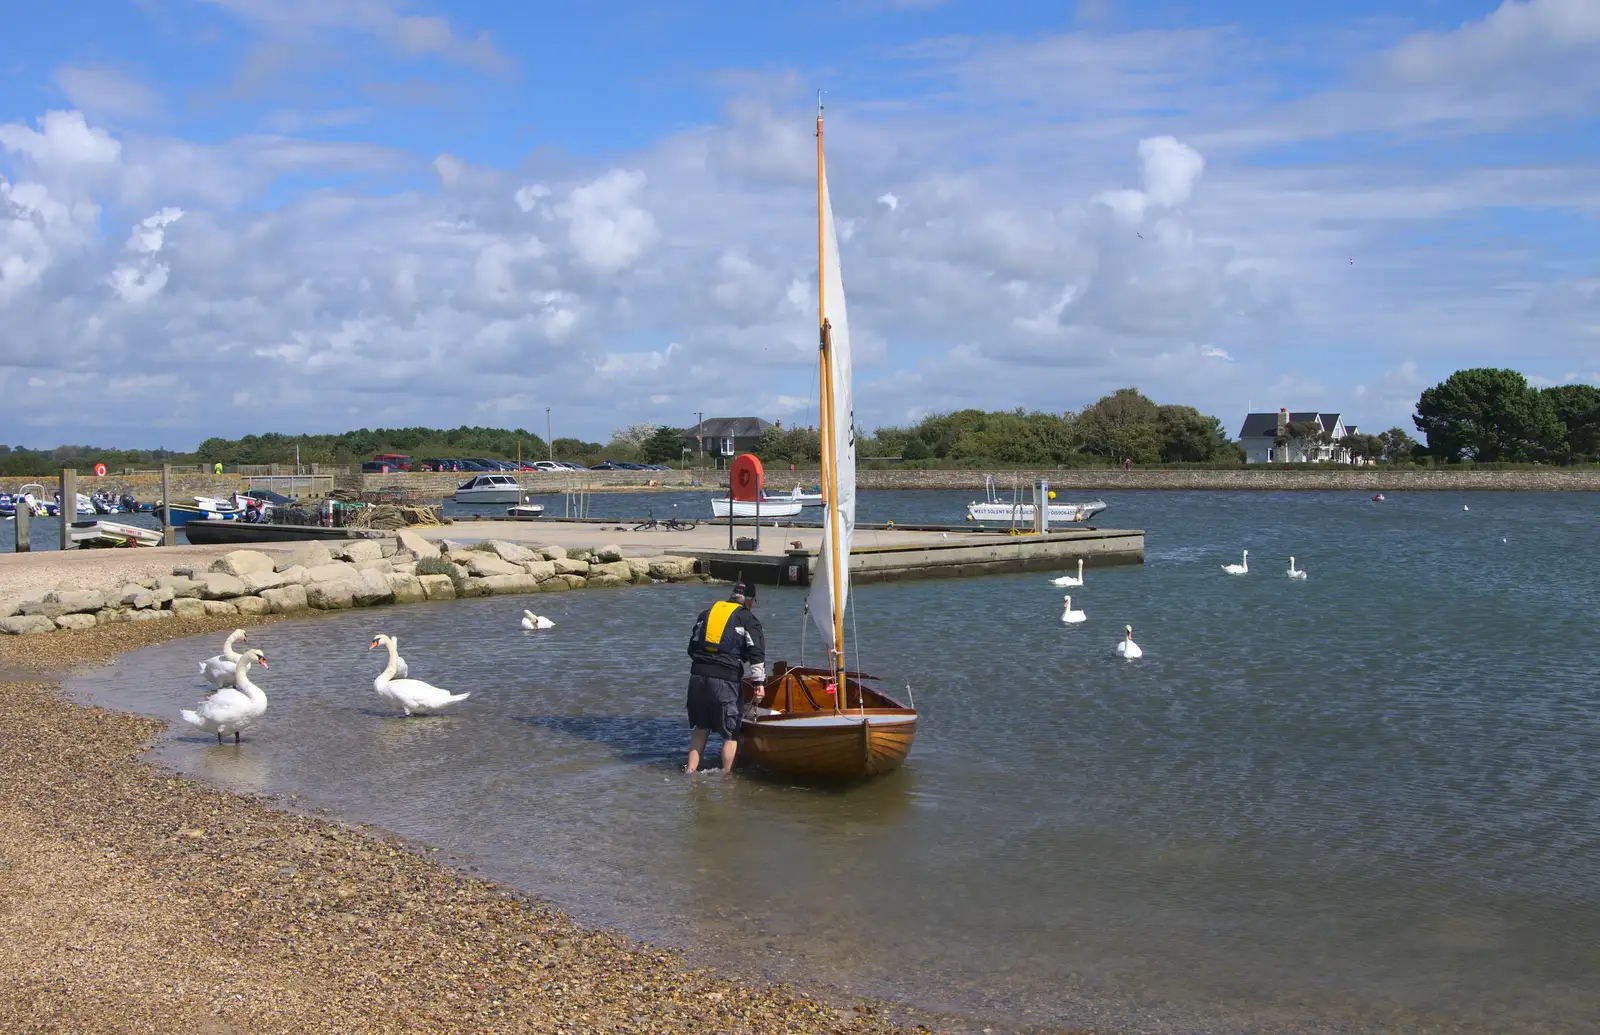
(830, 470)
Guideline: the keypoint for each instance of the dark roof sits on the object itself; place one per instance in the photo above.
(1265, 425)
(728, 427)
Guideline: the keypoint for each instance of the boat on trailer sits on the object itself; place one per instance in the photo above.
(826, 723)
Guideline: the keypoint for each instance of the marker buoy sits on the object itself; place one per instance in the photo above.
(99, 470)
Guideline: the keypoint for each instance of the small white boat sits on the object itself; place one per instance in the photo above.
(808, 499)
(489, 488)
(112, 533)
(770, 507)
(995, 510)
(525, 510)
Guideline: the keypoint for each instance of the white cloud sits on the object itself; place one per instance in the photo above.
(1212, 352)
(1515, 36)
(889, 201)
(633, 364)
(607, 230)
(1170, 170)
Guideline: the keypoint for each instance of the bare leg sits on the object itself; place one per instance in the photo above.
(697, 744)
(219, 736)
(729, 748)
(236, 736)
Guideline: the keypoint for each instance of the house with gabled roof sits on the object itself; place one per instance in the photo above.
(723, 438)
(1261, 431)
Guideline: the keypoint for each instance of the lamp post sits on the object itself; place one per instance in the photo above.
(549, 442)
(699, 437)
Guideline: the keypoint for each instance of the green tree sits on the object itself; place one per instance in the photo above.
(1122, 424)
(664, 447)
(915, 449)
(1488, 415)
(1189, 436)
(1397, 446)
(1302, 437)
(1578, 409)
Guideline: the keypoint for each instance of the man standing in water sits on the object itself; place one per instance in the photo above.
(727, 644)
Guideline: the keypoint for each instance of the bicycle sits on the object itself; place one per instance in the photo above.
(671, 524)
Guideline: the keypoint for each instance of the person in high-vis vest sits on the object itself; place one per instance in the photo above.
(727, 646)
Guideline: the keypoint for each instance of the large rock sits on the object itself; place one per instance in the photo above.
(188, 607)
(638, 565)
(555, 584)
(76, 601)
(438, 587)
(372, 587)
(110, 616)
(604, 581)
(77, 621)
(553, 553)
(331, 596)
(668, 567)
(251, 605)
(295, 575)
(359, 550)
(257, 581)
(473, 587)
(243, 562)
(574, 581)
(451, 546)
(416, 544)
(164, 595)
(330, 572)
(614, 570)
(511, 553)
(501, 585)
(566, 566)
(179, 585)
(12, 605)
(222, 607)
(152, 616)
(381, 564)
(409, 568)
(541, 570)
(306, 555)
(484, 564)
(285, 599)
(608, 553)
(26, 625)
(217, 586)
(132, 596)
(387, 547)
(406, 588)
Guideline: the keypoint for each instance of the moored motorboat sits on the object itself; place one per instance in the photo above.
(183, 514)
(994, 510)
(489, 488)
(525, 510)
(104, 533)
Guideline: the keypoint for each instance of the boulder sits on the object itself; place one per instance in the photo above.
(164, 595)
(416, 544)
(217, 586)
(638, 565)
(373, 588)
(501, 585)
(553, 553)
(473, 587)
(608, 553)
(331, 596)
(11, 605)
(257, 581)
(77, 621)
(667, 567)
(222, 607)
(284, 599)
(387, 547)
(574, 581)
(541, 570)
(110, 616)
(152, 615)
(330, 572)
(76, 601)
(381, 564)
(131, 596)
(511, 553)
(26, 625)
(451, 546)
(643, 580)
(566, 566)
(483, 564)
(614, 570)
(555, 584)
(251, 605)
(185, 573)
(406, 588)
(179, 585)
(188, 607)
(359, 550)
(295, 575)
(581, 554)
(438, 587)
(306, 555)
(243, 562)
(406, 569)
(605, 581)
(400, 557)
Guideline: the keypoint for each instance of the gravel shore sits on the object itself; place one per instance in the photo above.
(134, 900)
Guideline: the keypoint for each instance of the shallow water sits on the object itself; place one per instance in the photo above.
(1363, 802)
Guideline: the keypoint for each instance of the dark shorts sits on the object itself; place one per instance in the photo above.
(714, 704)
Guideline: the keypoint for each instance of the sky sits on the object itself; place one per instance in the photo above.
(222, 217)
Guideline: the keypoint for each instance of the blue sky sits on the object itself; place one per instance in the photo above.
(224, 216)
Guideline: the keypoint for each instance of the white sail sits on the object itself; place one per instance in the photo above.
(841, 511)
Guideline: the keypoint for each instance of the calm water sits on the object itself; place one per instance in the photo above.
(1368, 801)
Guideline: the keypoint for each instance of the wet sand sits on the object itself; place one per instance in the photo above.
(134, 900)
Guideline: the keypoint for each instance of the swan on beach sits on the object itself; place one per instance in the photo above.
(233, 708)
(1073, 617)
(1068, 580)
(1295, 573)
(1126, 647)
(1242, 568)
(412, 695)
(218, 670)
(533, 621)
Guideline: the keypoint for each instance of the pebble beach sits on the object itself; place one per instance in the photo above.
(139, 901)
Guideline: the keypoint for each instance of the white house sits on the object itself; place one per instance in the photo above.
(1259, 437)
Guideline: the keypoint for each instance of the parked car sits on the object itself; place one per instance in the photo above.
(548, 465)
(473, 465)
(378, 467)
(606, 465)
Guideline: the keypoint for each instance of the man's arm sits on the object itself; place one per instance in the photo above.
(755, 648)
(698, 632)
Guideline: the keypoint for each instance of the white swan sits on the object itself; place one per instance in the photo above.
(1073, 617)
(1239, 569)
(1068, 580)
(412, 695)
(1295, 573)
(533, 621)
(1127, 648)
(218, 670)
(234, 708)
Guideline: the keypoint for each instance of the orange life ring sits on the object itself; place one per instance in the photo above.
(99, 470)
(745, 477)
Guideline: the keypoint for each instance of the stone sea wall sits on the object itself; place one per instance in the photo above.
(360, 573)
(146, 488)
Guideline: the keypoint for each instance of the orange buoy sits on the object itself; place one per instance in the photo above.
(99, 470)
(745, 477)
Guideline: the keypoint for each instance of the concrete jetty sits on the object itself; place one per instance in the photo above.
(787, 554)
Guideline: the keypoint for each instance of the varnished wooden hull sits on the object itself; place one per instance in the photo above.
(808, 739)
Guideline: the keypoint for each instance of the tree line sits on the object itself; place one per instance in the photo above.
(1490, 415)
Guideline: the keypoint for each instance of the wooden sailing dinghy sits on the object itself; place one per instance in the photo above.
(826, 723)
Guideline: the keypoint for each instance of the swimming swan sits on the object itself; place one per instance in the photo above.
(233, 708)
(1239, 569)
(1068, 580)
(533, 621)
(218, 670)
(1073, 617)
(1295, 573)
(1127, 648)
(412, 695)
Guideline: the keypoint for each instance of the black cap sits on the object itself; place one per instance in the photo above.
(745, 589)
